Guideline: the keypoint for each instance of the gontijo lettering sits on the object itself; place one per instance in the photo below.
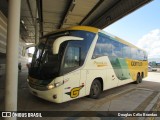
(135, 63)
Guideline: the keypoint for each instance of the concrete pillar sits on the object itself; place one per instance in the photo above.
(11, 83)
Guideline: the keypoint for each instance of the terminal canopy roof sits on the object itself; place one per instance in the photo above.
(56, 14)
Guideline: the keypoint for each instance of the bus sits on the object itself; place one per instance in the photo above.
(83, 61)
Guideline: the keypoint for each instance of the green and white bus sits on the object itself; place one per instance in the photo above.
(79, 61)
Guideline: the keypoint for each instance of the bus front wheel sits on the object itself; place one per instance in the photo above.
(95, 89)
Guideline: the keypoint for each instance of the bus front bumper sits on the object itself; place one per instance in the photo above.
(53, 95)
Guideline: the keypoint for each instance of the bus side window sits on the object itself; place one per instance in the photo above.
(126, 51)
(116, 49)
(140, 54)
(72, 57)
(145, 56)
(103, 47)
(134, 53)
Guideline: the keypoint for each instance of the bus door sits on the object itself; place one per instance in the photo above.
(72, 73)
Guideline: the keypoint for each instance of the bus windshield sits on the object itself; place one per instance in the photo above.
(45, 65)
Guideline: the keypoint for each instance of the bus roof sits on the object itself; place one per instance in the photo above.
(84, 28)
(94, 30)
(120, 40)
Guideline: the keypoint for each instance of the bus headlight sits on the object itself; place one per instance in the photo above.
(58, 84)
(50, 86)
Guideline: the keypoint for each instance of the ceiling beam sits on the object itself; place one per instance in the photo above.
(23, 38)
(107, 18)
(104, 13)
(23, 30)
(93, 9)
(30, 11)
(40, 14)
(68, 9)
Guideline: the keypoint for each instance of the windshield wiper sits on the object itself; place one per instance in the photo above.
(39, 59)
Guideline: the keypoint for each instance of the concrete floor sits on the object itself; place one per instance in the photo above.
(130, 97)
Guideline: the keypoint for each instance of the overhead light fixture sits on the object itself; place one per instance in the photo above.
(22, 21)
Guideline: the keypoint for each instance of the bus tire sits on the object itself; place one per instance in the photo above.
(142, 76)
(139, 79)
(96, 89)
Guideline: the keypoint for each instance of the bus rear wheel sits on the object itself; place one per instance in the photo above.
(95, 89)
(142, 76)
(139, 79)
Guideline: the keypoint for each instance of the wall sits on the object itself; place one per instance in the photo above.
(3, 38)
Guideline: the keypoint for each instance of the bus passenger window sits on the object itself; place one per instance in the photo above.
(145, 56)
(126, 51)
(72, 57)
(116, 49)
(103, 47)
(134, 53)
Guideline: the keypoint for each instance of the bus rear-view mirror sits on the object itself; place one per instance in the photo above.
(58, 41)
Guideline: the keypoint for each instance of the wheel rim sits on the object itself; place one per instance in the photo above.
(95, 89)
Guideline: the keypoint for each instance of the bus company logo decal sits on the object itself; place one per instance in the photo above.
(100, 64)
(75, 92)
(135, 63)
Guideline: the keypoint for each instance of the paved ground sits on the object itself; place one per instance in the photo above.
(130, 97)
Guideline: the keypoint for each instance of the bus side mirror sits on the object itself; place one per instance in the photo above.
(26, 47)
(58, 41)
